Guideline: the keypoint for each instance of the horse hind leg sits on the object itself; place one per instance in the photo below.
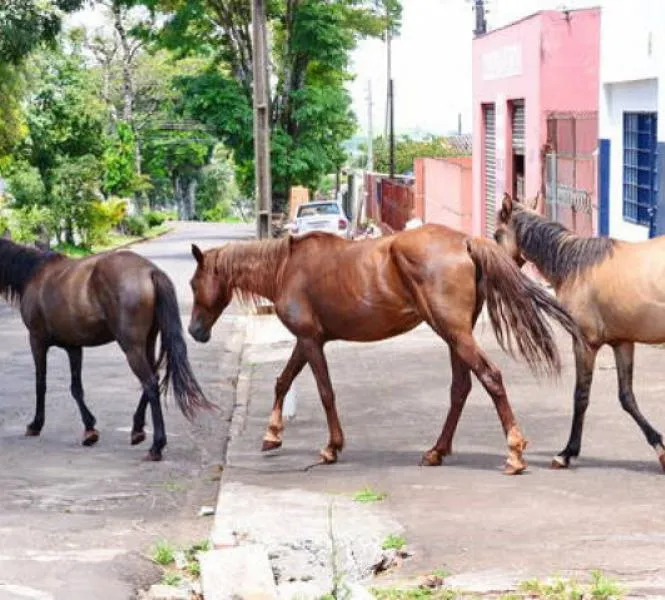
(272, 439)
(90, 434)
(137, 435)
(624, 355)
(145, 372)
(459, 391)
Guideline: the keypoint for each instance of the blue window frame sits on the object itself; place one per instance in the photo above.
(640, 177)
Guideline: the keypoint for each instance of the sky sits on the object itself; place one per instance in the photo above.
(431, 62)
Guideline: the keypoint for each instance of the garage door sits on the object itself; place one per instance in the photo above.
(518, 127)
(490, 168)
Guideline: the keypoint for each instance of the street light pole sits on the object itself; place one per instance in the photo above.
(261, 120)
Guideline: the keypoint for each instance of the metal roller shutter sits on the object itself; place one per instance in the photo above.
(490, 169)
(518, 127)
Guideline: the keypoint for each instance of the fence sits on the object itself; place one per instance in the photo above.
(570, 170)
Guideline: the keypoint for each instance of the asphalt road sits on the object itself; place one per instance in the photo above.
(77, 523)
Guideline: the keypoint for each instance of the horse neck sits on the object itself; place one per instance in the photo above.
(255, 268)
(18, 265)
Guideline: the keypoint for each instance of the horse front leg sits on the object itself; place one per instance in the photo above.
(90, 435)
(313, 350)
(39, 350)
(585, 359)
(273, 436)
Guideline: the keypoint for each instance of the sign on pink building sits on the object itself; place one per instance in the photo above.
(535, 92)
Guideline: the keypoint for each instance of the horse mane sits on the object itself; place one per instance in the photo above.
(252, 265)
(18, 265)
(558, 252)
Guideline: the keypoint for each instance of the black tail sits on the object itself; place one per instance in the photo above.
(517, 308)
(173, 352)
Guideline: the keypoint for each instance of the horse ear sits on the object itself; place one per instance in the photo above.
(506, 208)
(197, 254)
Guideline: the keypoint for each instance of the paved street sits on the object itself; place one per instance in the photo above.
(75, 522)
(465, 517)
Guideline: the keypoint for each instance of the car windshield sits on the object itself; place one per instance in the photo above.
(318, 209)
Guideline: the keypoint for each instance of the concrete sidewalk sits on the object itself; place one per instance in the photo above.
(488, 530)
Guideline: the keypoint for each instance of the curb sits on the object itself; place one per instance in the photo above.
(140, 240)
(231, 570)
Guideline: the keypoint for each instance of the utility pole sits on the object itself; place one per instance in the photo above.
(390, 103)
(481, 23)
(263, 186)
(370, 132)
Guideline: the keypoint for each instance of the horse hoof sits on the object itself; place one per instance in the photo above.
(328, 456)
(153, 456)
(431, 458)
(90, 437)
(137, 437)
(514, 468)
(560, 462)
(661, 458)
(30, 432)
(269, 445)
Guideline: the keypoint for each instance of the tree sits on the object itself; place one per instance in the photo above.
(406, 149)
(310, 110)
(24, 24)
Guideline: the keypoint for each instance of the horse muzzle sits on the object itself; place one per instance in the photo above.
(199, 333)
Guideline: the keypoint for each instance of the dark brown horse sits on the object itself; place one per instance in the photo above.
(92, 301)
(325, 288)
(613, 289)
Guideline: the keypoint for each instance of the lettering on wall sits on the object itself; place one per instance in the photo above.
(502, 62)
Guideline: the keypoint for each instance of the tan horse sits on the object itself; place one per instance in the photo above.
(613, 289)
(325, 288)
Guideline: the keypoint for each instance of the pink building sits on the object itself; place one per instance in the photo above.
(535, 102)
(443, 191)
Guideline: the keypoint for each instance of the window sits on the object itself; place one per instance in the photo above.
(640, 179)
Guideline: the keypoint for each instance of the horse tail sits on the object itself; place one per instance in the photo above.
(178, 374)
(517, 307)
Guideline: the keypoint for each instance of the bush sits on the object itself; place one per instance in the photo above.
(29, 224)
(26, 186)
(134, 225)
(219, 212)
(154, 218)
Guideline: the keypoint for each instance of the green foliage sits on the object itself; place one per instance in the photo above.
(26, 23)
(406, 149)
(416, 593)
(311, 111)
(26, 186)
(368, 495)
(171, 578)
(155, 218)
(604, 588)
(217, 188)
(30, 223)
(134, 225)
(393, 542)
(163, 553)
(12, 120)
(120, 176)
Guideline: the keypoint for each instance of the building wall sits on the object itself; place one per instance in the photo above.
(549, 60)
(446, 187)
(632, 73)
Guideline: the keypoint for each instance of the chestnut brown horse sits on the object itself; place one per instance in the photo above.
(325, 288)
(613, 289)
(92, 301)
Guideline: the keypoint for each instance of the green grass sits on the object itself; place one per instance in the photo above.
(418, 593)
(393, 542)
(163, 553)
(113, 240)
(604, 588)
(368, 495)
(171, 578)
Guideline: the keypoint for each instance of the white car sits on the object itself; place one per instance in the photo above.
(321, 216)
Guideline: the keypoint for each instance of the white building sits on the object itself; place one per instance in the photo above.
(631, 167)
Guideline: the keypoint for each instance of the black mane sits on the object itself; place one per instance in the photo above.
(18, 265)
(555, 250)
